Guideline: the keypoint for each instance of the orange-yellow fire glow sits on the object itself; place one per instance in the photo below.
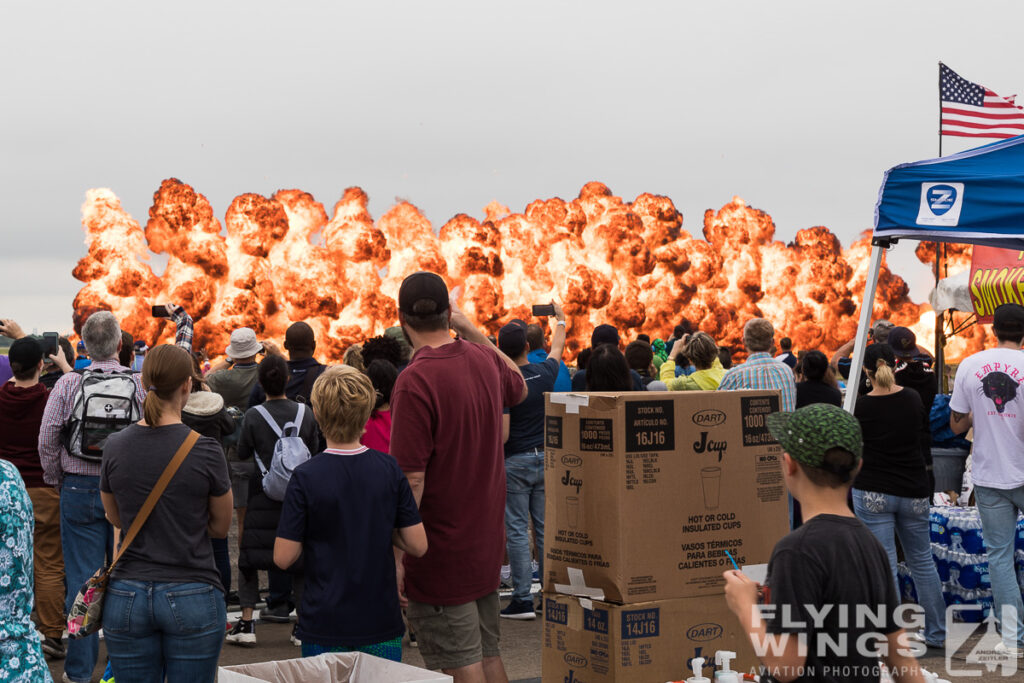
(283, 258)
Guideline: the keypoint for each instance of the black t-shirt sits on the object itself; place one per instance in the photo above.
(173, 545)
(817, 392)
(342, 506)
(526, 420)
(921, 378)
(832, 561)
(301, 376)
(896, 437)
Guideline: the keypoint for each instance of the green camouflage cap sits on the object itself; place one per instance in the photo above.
(812, 430)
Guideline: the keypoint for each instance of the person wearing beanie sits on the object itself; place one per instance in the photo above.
(830, 566)
(987, 395)
(892, 492)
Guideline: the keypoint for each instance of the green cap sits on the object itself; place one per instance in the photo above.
(812, 430)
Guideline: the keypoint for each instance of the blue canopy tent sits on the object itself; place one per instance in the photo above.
(974, 197)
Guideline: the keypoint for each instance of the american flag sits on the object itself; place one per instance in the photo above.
(973, 111)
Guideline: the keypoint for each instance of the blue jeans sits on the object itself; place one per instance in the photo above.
(524, 476)
(161, 629)
(87, 540)
(909, 517)
(998, 511)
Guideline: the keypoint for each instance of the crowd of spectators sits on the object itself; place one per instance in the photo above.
(418, 400)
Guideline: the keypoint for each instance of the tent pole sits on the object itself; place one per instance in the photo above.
(940, 247)
(940, 321)
(866, 307)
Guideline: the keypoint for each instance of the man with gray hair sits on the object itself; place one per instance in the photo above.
(761, 371)
(86, 536)
(70, 450)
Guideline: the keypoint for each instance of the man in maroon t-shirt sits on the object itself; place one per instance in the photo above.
(446, 433)
(22, 402)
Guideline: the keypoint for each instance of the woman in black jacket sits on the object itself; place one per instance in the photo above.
(205, 413)
(262, 514)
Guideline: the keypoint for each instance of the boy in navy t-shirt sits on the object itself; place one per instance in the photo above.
(343, 512)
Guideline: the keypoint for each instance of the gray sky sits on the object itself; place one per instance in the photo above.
(798, 107)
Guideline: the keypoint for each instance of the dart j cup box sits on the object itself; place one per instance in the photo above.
(587, 641)
(646, 491)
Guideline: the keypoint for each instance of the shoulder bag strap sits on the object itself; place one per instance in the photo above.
(154, 495)
(262, 410)
(293, 428)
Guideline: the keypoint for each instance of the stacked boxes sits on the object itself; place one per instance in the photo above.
(646, 494)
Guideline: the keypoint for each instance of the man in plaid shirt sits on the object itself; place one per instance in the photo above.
(762, 371)
(86, 535)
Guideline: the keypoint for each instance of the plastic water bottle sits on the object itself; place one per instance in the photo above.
(938, 523)
(974, 541)
(955, 526)
(1020, 569)
(955, 568)
(969, 575)
(940, 554)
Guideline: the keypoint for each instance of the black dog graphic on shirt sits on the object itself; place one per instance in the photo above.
(999, 387)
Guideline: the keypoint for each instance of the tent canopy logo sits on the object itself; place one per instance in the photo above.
(941, 198)
(940, 204)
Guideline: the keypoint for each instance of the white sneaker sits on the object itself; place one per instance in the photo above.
(242, 634)
(1002, 649)
(294, 638)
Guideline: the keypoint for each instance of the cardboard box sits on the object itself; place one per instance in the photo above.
(348, 667)
(651, 641)
(646, 491)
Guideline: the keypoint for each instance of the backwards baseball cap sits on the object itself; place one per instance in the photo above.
(1009, 319)
(604, 334)
(903, 342)
(24, 353)
(423, 286)
(808, 433)
(512, 338)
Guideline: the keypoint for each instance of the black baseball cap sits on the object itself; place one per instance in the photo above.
(423, 286)
(512, 338)
(604, 334)
(24, 353)
(1009, 318)
(903, 342)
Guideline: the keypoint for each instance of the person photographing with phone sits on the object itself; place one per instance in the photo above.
(523, 434)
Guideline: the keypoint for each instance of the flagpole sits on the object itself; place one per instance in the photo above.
(940, 248)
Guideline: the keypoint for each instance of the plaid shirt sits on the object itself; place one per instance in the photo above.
(53, 455)
(183, 322)
(761, 371)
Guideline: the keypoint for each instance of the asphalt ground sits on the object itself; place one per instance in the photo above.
(520, 648)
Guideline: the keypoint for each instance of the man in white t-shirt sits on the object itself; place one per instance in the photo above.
(987, 394)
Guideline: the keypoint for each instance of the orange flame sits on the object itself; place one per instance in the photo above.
(281, 259)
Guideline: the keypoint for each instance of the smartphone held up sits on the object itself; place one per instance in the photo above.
(542, 310)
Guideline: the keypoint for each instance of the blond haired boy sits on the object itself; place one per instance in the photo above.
(344, 511)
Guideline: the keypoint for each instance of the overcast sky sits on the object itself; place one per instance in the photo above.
(796, 107)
